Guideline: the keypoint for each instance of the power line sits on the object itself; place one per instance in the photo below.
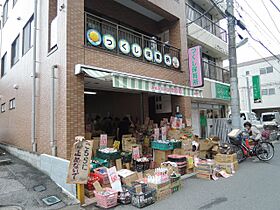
(257, 26)
(264, 58)
(271, 17)
(275, 5)
(262, 21)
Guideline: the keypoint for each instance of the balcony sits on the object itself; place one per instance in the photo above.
(123, 41)
(206, 23)
(204, 31)
(217, 73)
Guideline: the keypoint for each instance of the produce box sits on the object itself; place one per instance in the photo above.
(89, 193)
(204, 176)
(124, 197)
(230, 168)
(176, 188)
(97, 163)
(127, 176)
(160, 187)
(205, 145)
(161, 156)
(127, 142)
(108, 156)
(102, 174)
(162, 146)
(224, 158)
(107, 198)
(126, 157)
(187, 144)
(205, 167)
(161, 195)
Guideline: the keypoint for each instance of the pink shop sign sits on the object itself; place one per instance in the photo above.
(196, 67)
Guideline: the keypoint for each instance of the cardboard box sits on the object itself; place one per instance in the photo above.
(95, 146)
(163, 194)
(88, 135)
(89, 193)
(160, 187)
(127, 176)
(230, 168)
(110, 141)
(205, 145)
(127, 141)
(224, 158)
(187, 144)
(204, 176)
(161, 156)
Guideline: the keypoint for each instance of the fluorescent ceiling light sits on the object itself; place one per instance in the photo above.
(89, 93)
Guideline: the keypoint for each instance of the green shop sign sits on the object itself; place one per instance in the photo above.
(222, 91)
(257, 89)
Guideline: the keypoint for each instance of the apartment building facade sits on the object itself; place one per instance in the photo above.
(268, 70)
(89, 60)
(207, 32)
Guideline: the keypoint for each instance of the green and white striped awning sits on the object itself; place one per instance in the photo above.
(137, 82)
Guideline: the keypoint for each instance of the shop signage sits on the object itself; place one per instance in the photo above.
(195, 67)
(124, 46)
(156, 135)
(150, 54)
(222, 91)
(170, 90)
(109, 41)
(103, 141)
(135, 153)
(257, 89)
(80, 161)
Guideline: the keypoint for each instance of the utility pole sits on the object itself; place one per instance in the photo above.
(249, 97)
(234, 102)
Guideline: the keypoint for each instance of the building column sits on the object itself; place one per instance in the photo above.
(185, 106)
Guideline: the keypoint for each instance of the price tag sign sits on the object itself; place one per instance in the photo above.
(103, 141)
(135, 152)
(156, 135)
(163, 133)
(114, 179)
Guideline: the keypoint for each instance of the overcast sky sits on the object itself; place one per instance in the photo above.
(260, 23)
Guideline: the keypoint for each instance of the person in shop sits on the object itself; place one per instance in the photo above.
(96, 126)
(123, 128)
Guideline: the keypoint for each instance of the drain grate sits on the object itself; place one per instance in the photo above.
(51, 200)
(11, 208)
(39, 188)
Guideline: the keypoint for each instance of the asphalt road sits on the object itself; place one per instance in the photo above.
(256, 186)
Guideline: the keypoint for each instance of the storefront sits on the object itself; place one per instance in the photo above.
(111, 96)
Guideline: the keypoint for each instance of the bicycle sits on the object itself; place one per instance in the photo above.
(263, 150)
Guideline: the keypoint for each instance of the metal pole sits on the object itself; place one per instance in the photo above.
(249, 98)
(234, 102)
(52, 132)
(33, 129)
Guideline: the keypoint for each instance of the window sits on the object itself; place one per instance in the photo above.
(271, 91)
(262, 71)
(12, 103)
(3, 107)
(266, 70)
(264, 92)
(27, 38)
(269, 69)
(5, 12)
(15, 51)
(4, 66)
(14, 2)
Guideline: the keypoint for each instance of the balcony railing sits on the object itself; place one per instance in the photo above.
(206, 23)
(120, 32)
(217, 73)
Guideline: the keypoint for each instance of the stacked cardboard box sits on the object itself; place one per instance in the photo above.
(127, 142)
(227, 162)
(163, 190)
(204, 169)
(161, 156)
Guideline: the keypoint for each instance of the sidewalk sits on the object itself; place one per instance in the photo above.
(23, 187)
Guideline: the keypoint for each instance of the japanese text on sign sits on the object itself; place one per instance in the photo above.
(195, 67)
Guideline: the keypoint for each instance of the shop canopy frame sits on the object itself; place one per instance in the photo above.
(128, 81)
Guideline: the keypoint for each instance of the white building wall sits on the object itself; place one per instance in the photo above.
(269, 80)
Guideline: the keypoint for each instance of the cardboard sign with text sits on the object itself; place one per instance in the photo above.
(114, 179)
(163, 133)
(80, 162)
(103, 141)
(156, 136)
(135, 152)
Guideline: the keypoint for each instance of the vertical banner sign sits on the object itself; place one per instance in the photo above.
(196, 67)
(163, 133)
(80, 161)
(103, 141)
(135, 152)
(257, 89)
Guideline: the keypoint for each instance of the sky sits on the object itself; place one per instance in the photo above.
(262, 19)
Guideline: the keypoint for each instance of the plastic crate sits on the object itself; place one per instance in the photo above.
(108, 156)
(106, 199)
(162, 146)
(102, 174)
(124, 197)
(177, 158)
(147, 197)
(97, 163)
(177, 144)
(141, 166)
(126, 157)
